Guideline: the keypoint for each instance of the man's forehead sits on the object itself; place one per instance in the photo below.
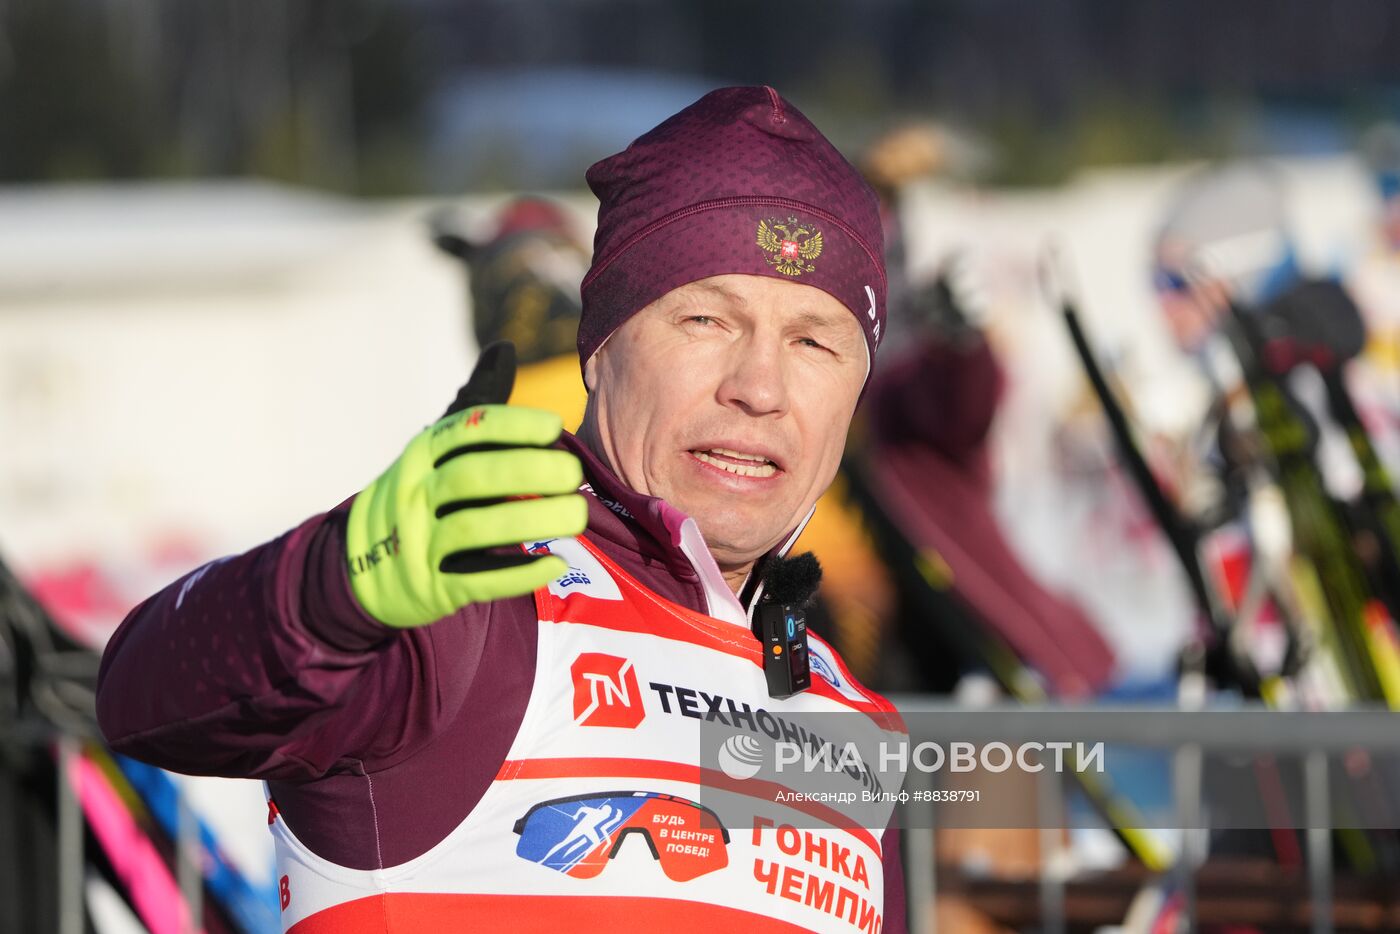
(807, 303)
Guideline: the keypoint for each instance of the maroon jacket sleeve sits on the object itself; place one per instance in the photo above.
(263, 665)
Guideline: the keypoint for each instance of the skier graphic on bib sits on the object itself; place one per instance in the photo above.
(594, 825)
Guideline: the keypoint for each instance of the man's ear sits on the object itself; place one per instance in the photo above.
(590, 372)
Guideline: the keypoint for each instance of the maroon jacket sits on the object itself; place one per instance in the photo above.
(375, 742)
(930, 469)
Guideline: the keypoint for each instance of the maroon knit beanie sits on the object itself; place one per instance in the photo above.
(738, 182)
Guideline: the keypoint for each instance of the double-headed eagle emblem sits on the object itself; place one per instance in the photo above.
(792, 246)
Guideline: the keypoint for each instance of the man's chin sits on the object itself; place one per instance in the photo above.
(735, 543)
(731, 559)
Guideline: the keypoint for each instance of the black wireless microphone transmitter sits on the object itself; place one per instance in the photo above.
(783, 631)
(780, 623)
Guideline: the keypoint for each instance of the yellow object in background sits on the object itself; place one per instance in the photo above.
(555, 385)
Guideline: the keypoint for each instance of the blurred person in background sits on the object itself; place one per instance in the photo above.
(893, 162)
(958, 598)
(1224, 238)
(445, 680)
(1287, 489)
(524, 279)
(1373, 276)
(1224, 234)
(1291, 506)
(963, 614)
(967, 604)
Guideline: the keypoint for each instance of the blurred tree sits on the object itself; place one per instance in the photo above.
(72, 105)
(312, 91)
(337, 92)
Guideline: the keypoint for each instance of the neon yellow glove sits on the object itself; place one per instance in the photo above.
(441, 528)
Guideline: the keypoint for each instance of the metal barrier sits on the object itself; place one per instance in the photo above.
(1240, 728)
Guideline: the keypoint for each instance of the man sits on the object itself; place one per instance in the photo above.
(524, 288)
(1373, 276)
(511, 627)
(925, 478)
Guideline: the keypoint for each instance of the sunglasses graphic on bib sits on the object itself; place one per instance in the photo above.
(578, 835)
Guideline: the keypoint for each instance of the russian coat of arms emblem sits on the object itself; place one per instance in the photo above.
(791, 246)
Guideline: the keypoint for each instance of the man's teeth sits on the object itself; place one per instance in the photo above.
(757, 466)
(756, 458)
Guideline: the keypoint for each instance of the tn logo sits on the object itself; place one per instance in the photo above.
(606, 691)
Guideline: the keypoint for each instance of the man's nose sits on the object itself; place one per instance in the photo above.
(755, 378)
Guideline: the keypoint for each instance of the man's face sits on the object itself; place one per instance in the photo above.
(730, 398)
(1191, 305)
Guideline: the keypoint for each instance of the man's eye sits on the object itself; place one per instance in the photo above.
(809, 342)
(701, 319)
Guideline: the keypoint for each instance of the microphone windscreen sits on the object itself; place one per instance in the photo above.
(793, 580)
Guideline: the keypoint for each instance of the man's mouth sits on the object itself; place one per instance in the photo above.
(736, 462)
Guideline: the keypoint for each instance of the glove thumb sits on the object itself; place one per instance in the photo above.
(491, 381)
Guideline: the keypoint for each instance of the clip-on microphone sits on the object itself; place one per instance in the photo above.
(780, 622)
